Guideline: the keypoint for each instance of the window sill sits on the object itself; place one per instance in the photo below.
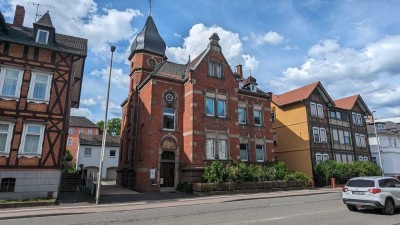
(38, 101)
(5, 154)
(32, 155)
(164, 129)
(87, 156)
(9, 98)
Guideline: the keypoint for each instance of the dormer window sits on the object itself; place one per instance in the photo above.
(42, 36)
(253, 88)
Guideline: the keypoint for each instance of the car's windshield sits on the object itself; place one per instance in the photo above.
(360, 183)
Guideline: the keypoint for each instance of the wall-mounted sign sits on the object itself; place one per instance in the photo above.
(152, 173)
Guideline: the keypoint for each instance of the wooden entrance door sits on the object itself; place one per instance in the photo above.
(167, 169)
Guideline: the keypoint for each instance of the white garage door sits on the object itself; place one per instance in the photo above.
(111, 173)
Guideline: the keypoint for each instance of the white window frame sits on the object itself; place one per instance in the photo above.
(254, 117)
(320, 111)
(313, 108)
(318, 158)
(263, 153)
(69, 141)
(215, 69)
(322, 135)
(47, 36)
(224, 156)
(3, 70)
(81, 130)
(341, 136)
(32, 87)
(362, 141)
(245, 115)
(8, 138)
(87, 155)
(359, 119)
(358, 140)
(316, 132)
(213, 109)
(90, 131)
(335, 136)
(346, 134)
(366, 158)
(325, 157)
(247, 152)
(210, 153)
(360, 158)
(169, 114)
(253, 88)
(354, 117)
(71, 131)
(40, 144)
(224, 104)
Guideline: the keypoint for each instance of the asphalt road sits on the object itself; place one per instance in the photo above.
(316, 209)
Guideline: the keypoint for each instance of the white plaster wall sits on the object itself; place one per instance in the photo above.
(32, 183)
(94, 159)
(390, 154)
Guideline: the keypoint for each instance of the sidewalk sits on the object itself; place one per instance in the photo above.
(160, 200)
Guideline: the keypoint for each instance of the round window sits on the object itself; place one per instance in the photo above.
(152, 62)
(169, 97)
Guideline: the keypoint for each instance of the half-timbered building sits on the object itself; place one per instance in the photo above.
(40, 80)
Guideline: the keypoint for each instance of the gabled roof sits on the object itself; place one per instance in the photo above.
(45, 20)
(148, 39)
(79, 121)
(195, 62)
(349, 102)
(64, 43)
(170, 70)
(295, 95)
(111, 141)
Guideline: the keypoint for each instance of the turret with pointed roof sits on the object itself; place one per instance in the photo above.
(148, 40)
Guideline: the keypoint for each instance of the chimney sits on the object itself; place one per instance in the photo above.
(239, 71)
(19, 16)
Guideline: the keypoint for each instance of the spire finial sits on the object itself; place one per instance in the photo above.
(150, 2)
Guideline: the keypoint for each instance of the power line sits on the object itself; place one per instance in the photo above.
(37, 15)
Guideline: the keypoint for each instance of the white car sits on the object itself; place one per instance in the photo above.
(372, 193)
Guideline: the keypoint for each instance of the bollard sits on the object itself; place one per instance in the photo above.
(312, 183)
(333, 182)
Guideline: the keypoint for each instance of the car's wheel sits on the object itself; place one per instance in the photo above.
(352, 208)
(389, 207)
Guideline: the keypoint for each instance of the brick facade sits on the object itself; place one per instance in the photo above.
(179, 154)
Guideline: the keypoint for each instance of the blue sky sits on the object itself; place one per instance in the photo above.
(352, 47)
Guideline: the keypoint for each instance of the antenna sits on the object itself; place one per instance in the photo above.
(37, 8)
(150, 2)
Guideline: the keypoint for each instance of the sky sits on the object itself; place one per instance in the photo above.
(351, 46)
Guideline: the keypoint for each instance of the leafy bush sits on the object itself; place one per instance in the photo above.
(304, 178)
(68, 156)
(215, 173)
(185, 187)
(281, 170)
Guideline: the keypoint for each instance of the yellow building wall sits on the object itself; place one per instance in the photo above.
(291, 128)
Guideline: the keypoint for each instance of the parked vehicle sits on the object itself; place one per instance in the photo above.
(372, 193)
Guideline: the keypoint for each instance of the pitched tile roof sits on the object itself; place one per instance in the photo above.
(295, 95)
(170, 70)
(45, 20)
(79, 121)
(111, 141)
(194, 62)
(347, 102)
(64, 43)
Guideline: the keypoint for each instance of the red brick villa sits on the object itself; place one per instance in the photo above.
(179, 117)
(40, 80)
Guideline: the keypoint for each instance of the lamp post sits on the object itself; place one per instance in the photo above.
(377, 144)
(103, 142)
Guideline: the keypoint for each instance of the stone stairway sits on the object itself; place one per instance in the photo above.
(69, 182)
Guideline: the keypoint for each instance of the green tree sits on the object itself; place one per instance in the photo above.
(114, 126)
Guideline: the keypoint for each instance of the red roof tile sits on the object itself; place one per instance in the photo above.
(295, 95)
(347, 102)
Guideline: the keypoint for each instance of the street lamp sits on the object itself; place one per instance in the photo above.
(377, 144)
(103, 142)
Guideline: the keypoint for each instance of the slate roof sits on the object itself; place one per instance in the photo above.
(45, 20)
(64, 43)
(170, 70)
(295, 95)
(79, 121)
(347, 102)
(111, 141)
(148, 39)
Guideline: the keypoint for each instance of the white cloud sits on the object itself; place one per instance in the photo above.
(85, 112)
(250, 62)
(101, 27)
(177, 35)
(269, 37)
(197, 42)
(118, 77)
(88, 101)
